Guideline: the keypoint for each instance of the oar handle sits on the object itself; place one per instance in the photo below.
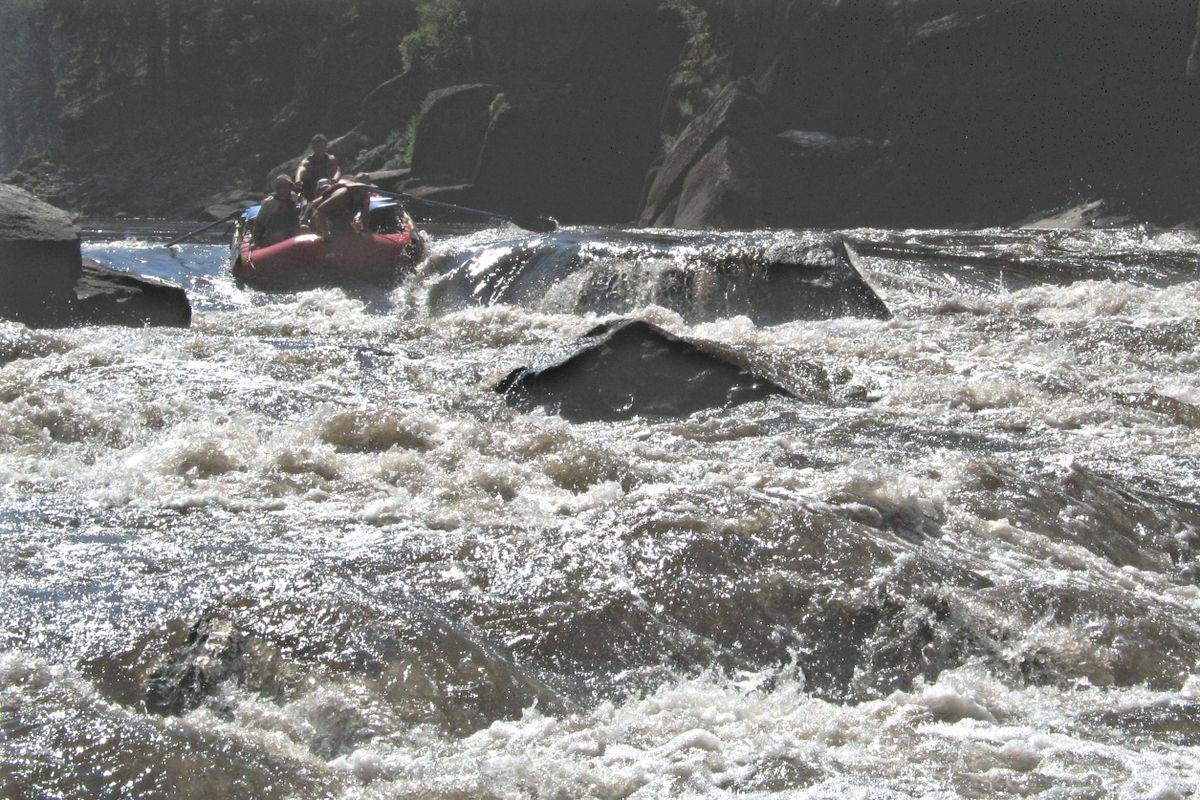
(540, 224)
(456, 207)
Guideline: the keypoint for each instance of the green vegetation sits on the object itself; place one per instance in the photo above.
(704, 66)
(440, 39)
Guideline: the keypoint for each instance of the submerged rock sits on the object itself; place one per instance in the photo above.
(212, 654)
(630, 368)
(579, 274)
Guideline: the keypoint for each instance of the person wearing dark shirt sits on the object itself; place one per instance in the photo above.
(278, 217)
(321, 164)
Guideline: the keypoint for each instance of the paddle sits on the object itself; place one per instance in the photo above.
(206, 227)
(537, 224)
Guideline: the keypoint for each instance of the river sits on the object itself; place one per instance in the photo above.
(303, 550)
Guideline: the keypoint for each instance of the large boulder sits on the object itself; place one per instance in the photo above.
(823, 180)
(524, 138)
(39, 258)
(347, 147)
(45, 282)
(630, 368)
(390, 105)
(724, 189)
(736, 112)
(451, 130)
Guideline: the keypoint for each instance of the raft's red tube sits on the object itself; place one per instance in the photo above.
(307, 259)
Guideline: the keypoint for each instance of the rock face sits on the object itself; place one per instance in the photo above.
(889, 113)
(928, 113)
(451, 130)
(39, 258)
(630, 368)
(730, 170)
(712, 145)
(44, 281)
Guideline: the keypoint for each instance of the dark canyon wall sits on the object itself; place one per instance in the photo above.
(670, 112)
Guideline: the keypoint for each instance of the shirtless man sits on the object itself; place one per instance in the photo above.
(321, 164)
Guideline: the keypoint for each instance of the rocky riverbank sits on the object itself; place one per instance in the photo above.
(790, 113)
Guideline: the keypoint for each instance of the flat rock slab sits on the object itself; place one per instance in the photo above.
(106, 296)
(631, 368)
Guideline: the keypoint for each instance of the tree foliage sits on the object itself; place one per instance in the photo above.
(75, 68)
(704, 65)
(440, 39)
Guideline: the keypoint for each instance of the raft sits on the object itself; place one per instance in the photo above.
(390, 249)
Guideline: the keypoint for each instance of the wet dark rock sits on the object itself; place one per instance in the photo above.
(821, 284)
(212, 655)
(630, 368)
(451, 130)
(106, 296)
(45, 282)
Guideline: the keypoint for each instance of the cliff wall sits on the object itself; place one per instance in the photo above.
(671, 112)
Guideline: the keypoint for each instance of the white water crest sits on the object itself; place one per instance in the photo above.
(303, 549)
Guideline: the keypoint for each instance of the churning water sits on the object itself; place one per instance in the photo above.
(303, 550)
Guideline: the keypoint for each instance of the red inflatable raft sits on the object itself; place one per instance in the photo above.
(305, 260)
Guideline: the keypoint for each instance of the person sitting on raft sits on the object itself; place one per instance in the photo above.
(321, 164)
(278, 217)
(307, 207)
(333, 212)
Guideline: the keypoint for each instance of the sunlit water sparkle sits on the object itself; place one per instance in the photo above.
(967, 570)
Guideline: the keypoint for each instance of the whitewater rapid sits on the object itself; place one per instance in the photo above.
(302, 549)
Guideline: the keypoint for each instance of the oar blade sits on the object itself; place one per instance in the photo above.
(537, 224)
